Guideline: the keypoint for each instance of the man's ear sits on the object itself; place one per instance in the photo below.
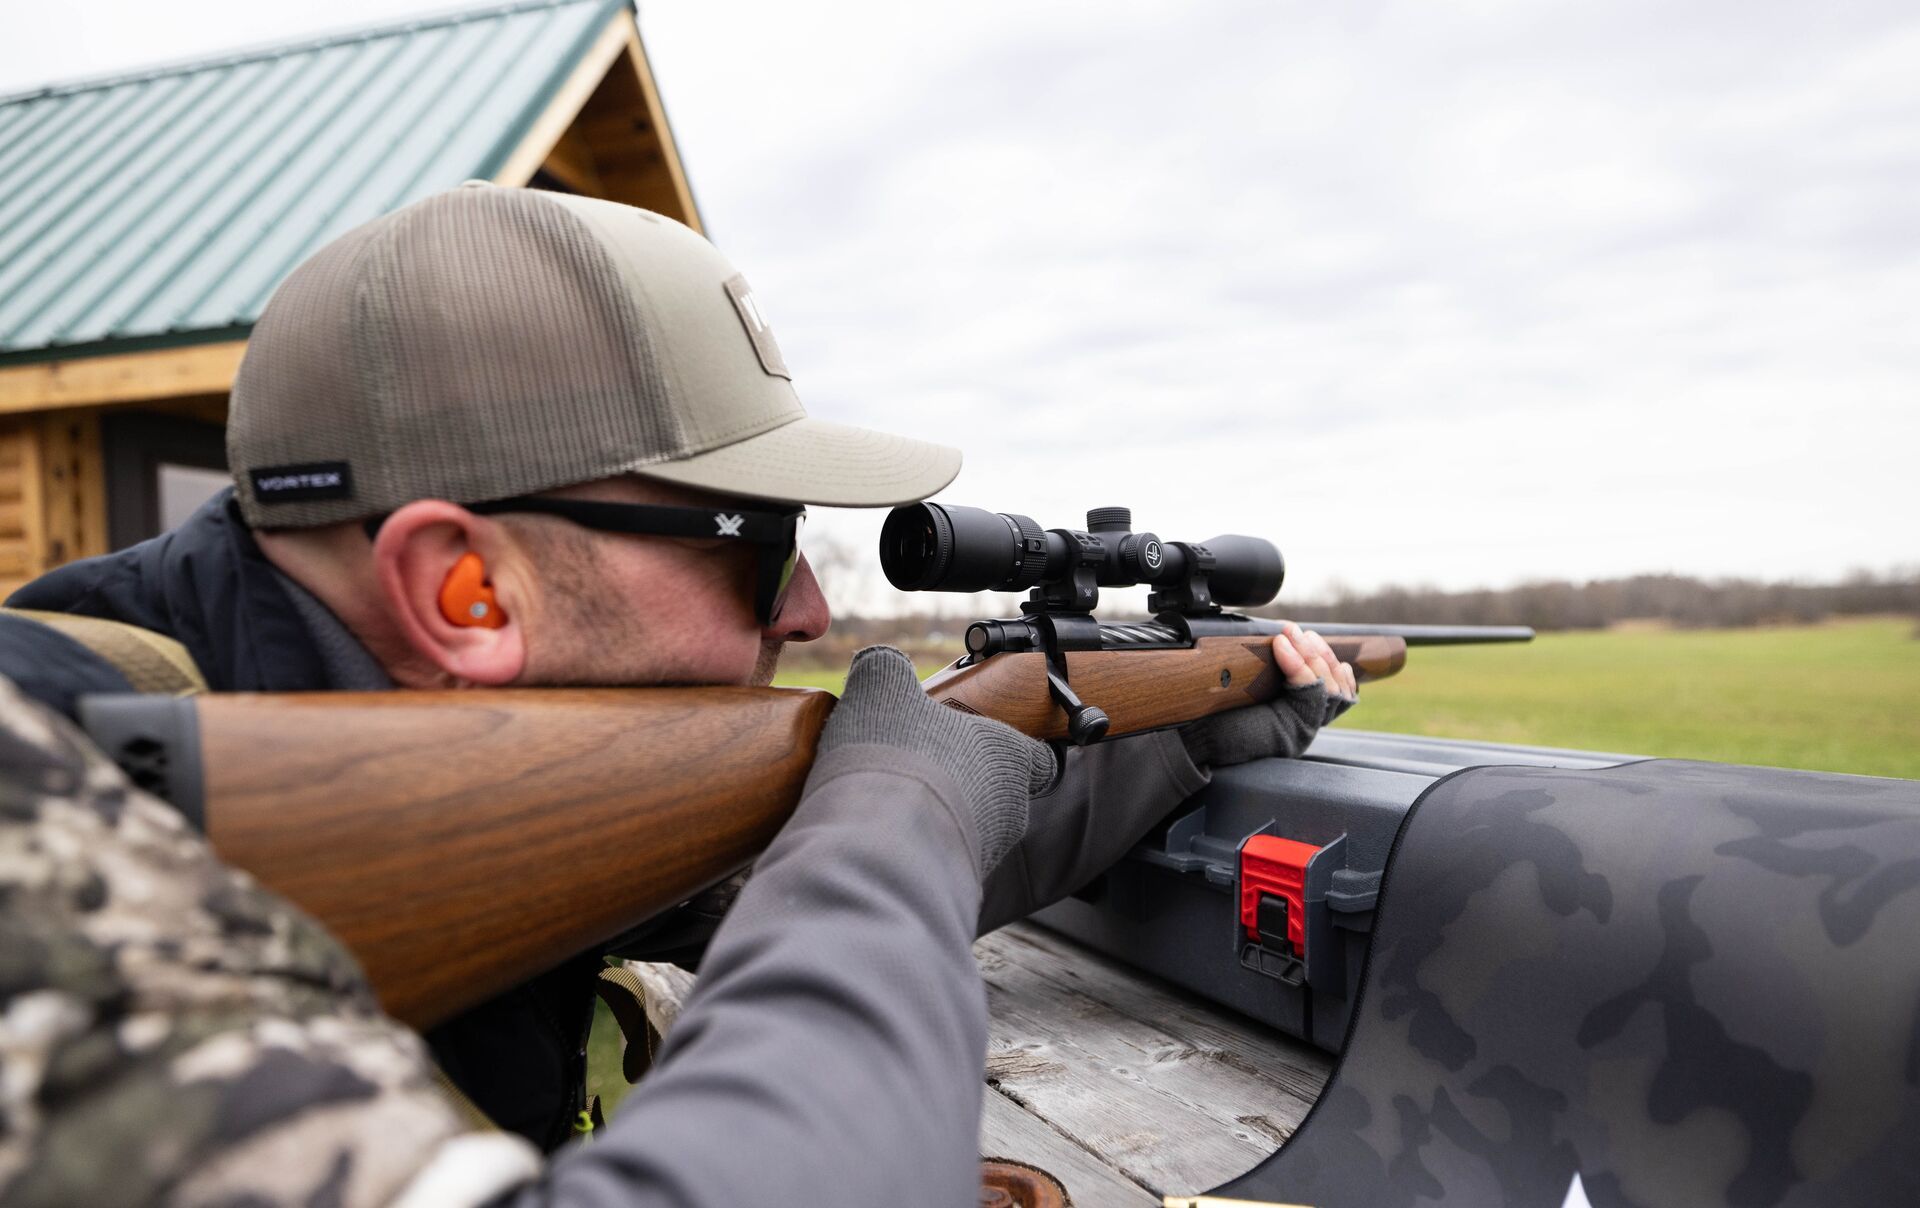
(415, 550)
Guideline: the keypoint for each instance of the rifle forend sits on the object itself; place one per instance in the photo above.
(1147, 675)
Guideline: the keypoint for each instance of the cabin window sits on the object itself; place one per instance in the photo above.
(159, 469)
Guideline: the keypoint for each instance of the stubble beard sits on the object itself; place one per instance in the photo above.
(768, 663)
(573, 567)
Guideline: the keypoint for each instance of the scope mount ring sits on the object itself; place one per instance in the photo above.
(1192, 596)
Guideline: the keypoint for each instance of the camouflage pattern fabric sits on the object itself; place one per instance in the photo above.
(1666, 983)
(171, 1033)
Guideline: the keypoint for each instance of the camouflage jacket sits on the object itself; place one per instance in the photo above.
(171, 1033)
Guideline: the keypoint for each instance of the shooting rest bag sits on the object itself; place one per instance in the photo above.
(151, 662)
(1676, 983)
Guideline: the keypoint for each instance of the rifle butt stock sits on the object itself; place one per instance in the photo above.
(460, 842)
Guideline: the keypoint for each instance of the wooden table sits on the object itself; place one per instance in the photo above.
(1122, 1086)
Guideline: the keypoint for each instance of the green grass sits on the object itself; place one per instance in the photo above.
(1837, 697)
(604, 1077)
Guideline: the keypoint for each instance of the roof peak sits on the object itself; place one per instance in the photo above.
(428, 19)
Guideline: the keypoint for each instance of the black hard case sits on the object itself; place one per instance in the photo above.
(1172, 906)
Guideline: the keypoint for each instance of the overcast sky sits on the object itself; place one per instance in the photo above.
(1462, 294)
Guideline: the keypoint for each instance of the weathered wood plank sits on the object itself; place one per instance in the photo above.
(1299, 1067)
(1139, 1050)
(1153, 1138)
(1165, 1113)
(1008, 1130)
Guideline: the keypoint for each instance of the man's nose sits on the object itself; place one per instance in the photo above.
(804, 614)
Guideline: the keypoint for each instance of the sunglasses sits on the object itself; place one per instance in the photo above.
(775, 535)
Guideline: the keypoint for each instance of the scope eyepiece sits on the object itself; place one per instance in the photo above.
(942, 547)
(934, 547)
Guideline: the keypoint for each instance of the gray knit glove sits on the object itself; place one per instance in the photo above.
(1280, 727)
(997, 768)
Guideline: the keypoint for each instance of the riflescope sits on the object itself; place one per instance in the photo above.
(939, 547)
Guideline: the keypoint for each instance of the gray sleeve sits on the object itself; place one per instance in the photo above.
(1108, 796)
(832, 1051)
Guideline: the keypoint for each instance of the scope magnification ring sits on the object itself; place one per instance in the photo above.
(1030, 551)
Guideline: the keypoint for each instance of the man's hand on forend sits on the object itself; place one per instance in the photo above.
(998, 768)
(1319, 688)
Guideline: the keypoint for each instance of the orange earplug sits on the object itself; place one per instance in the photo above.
(465, 598)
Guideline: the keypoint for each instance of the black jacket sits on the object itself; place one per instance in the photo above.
(521, 1057)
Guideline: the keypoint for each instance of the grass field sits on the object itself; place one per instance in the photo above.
(1837, 697)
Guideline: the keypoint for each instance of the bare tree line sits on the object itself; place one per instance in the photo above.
(1679, 600)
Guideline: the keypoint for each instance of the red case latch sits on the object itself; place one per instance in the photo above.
(1275, 867)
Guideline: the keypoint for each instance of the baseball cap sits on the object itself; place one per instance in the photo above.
(488, 342)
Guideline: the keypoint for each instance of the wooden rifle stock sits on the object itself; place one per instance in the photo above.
(1144, 689)
(461, 842)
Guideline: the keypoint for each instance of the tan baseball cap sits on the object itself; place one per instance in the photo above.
(489, 342)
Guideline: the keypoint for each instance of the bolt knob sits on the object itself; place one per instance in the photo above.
(1087, 724)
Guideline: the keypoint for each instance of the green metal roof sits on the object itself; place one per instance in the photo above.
(163, 207)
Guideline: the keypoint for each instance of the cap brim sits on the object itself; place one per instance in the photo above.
(819, 462)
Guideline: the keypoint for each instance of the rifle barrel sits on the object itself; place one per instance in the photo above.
(1425, 635)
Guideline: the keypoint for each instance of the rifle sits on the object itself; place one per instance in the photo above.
(460, 842)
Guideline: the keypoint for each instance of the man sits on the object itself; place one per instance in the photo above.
(512, 437)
